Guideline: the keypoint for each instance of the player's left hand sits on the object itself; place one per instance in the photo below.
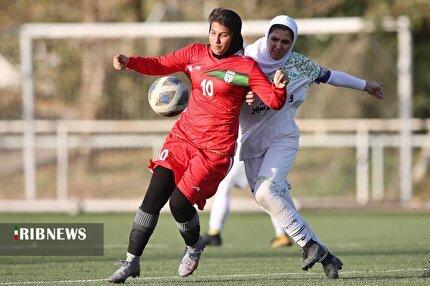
(250, 97)
(375, 89)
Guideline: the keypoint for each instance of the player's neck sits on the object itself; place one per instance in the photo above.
(220, 57)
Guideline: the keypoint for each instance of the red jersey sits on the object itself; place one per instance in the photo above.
(218, 89)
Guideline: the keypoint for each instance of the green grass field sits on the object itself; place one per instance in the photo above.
(376, 248)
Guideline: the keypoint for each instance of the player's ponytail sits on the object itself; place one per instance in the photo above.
(231, 20)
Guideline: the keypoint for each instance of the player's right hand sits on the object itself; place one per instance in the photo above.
(250, 98)
(120, 62)
(279, 79)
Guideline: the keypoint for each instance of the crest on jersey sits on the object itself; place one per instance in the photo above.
(229, 76)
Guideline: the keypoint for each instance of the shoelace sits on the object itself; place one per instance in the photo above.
(122, 263)
(194, 254)
(189, 261)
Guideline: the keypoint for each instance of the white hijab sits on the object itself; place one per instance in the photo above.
(261, 54)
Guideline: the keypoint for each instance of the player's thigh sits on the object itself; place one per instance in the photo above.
(174, 155)
(278, 162)
(202, 177)
(235, 173)
(252, 169)
(240, 178)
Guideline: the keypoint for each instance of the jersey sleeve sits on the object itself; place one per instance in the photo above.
(163, 65)
(271, 95)
(299, 66)
(311, 69)
(323, 76)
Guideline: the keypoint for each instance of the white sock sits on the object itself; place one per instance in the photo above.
(220, 208)
(296, 227)
(131, 257)
(278, 228)
(278, 203)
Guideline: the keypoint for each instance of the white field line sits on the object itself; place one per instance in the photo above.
(219, 277)
(346, 245)
(164, 246)
(124, 246)
(107, 247)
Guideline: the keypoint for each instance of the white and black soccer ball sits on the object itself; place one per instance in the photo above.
(168, 96)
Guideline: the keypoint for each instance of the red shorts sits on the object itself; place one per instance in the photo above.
(197, 172)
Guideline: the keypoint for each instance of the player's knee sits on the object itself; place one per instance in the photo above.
(264, 193)
(267, 196)
(182, 210)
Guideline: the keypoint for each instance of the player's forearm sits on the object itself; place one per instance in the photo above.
(152, 66)
(278, 99)
(338, 78)
(271, 95)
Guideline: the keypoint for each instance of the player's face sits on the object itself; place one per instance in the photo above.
(220, 38)
(279, 42)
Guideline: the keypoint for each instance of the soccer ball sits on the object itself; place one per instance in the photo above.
(168, 96)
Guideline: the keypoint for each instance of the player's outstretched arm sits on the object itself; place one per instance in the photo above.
(120, 62)
(175, 61)
(338, 78)
(375, 89)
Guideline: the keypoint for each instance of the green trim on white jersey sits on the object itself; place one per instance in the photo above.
(299, 66)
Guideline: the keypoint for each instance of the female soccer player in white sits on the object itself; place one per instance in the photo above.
(270, 139)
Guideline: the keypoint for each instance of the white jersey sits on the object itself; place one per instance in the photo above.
(261, 125)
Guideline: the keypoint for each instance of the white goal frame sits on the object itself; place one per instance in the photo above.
(401, 26)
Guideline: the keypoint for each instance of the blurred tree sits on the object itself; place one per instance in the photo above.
(96, 58)
(86, 93)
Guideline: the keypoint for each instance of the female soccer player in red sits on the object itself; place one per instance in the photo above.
(197, 153)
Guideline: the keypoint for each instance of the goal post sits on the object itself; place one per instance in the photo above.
(400, 26)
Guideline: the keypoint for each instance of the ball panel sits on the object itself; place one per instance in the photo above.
(164, 98)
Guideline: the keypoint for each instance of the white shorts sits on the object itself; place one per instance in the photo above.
(275, 163)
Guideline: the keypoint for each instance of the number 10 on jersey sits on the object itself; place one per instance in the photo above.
(207, 87)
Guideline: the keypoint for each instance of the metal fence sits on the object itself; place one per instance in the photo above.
(368, 137)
